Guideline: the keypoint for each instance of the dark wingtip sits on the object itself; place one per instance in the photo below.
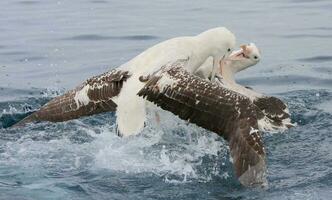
(20, 124)
(255, 176)
(248, 153)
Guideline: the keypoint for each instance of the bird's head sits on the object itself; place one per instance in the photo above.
(247, 56)
(224, 43)
(218, 42)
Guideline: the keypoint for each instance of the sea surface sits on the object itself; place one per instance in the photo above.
(50, 46)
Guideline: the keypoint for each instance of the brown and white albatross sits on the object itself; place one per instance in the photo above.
(117, 90)
(164, 75)
(277, 117)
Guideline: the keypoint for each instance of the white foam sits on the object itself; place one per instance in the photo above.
(173, 151)
(176, 158)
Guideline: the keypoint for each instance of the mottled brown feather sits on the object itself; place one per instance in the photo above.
(213, 107)
(273, 108)
(101, 90)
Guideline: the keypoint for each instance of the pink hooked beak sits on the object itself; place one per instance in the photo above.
(245, 50)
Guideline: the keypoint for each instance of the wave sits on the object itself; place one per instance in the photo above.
(173, 151)
(317, 59)
(94, 37)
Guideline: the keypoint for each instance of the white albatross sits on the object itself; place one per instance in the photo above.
(216, 43)
(117, 90)
(164, 75)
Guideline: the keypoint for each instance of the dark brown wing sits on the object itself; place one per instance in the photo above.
(275, 110)
(217, 109)
(92, 97)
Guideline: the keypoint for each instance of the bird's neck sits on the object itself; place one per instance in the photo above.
(230, 67)
(228, 73)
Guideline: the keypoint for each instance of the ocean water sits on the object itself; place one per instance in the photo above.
(49, 46)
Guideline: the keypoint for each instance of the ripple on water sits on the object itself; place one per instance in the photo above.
(325, 70)
(306, 1)
(94, 37)
(99, 1)
(31, 58)
(295, 36)
(10, 53)
(28, 2)
(286, 80)
(317, 59)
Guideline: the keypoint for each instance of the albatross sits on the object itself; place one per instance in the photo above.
(165, 75)
(117, 89)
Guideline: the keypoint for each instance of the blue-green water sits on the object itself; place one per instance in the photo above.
(47, 47)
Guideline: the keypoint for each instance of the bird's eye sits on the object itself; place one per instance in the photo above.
(255, 57)
(228, 49)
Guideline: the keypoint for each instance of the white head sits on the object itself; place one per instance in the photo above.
(247, 56)
(217, 43)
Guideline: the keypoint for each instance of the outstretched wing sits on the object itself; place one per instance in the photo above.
(215, 108)
(92, 97)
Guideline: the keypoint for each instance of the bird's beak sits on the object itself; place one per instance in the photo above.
(216, 66)
(243, 47)
(222, 63)
(222, 60)
(240, 54)
(245, 50)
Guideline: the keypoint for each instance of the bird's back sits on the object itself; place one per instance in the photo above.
(156, 56)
